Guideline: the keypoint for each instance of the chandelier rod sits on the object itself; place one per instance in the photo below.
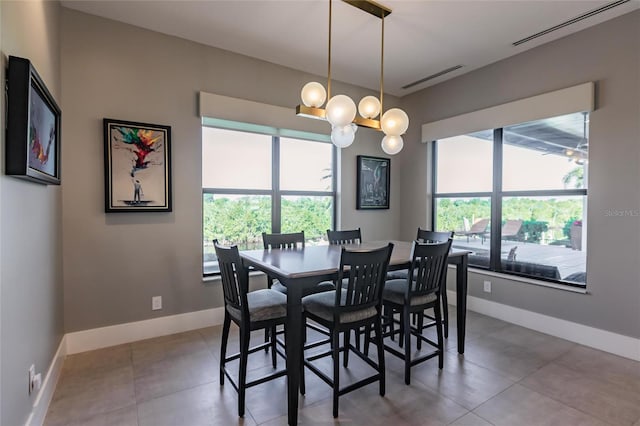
(329, 58)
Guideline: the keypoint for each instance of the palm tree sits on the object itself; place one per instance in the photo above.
(574, 178)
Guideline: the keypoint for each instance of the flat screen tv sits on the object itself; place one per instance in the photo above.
(32, 148)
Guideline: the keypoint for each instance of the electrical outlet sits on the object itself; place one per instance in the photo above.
(487, 286)
(32, 373)
(156, 303)
(37, 382)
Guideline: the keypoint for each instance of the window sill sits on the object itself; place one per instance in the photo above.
(527, 280)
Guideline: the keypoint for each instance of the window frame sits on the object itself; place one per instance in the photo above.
(496, 197)
(276, 193)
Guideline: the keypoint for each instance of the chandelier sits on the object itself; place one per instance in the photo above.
(340, 110)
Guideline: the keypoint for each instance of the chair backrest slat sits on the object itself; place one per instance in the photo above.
(352, 236)
(428, 266)
(425, 236)
(366, 272)
(235, 277)
(283, 241)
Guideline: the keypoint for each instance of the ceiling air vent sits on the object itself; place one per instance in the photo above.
(572, 21)
(432, 76)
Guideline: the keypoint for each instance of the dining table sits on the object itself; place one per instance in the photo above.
(302, 268)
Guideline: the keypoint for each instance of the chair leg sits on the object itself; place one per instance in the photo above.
(336, 370)
(346, 338)
(244, 354)
(420, 327)
(407, 345)
(380, 348)
(266, 339)
(223, 347)
(388, 314)
(367, 337)
(274, 360)
(445, 311)
(440, 340)
(303, 386)
(402, 326)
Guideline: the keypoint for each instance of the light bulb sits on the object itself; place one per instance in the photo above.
(369, 107)
(569, 152)
(313, 94)
(340, 111)
(343, 136)
(394, 122)
(392, 144)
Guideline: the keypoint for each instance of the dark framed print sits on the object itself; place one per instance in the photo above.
(33, 126)
(137, 164)
(373, 182)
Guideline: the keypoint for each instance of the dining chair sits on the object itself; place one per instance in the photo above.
(294, 240)
(418, 292)
(352, 236)
(349, 308)
(426, 236)
(256, 310)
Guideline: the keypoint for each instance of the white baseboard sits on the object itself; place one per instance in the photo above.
(603, 340)
(41, 404)
(96, 338)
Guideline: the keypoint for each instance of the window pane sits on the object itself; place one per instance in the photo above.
(545, 237)
(233, 159)
(546, 154)
(465, 163)
(313, 215)
(233, 219)
(305, 165)
(469, 218)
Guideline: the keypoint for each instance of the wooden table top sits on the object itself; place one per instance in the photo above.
(323, 260)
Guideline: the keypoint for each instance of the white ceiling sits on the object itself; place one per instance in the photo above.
(421, 37)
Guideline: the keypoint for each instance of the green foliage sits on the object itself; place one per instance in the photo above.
(555, 213)
(575, 178)
(242, 220)
(532, 230)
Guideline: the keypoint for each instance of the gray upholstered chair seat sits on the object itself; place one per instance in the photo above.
(323, 286)
(398, 275)
(394, 291)
(263, 305)
(323, 305)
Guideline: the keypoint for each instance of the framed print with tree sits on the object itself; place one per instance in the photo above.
(137, 167)
(373, 182)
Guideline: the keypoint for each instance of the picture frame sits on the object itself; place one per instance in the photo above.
(137, 167)
(33, 137)
(373, 182)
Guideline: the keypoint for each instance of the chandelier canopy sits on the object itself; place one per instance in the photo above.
(341, 110)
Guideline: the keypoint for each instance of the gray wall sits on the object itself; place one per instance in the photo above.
(115, 263)
(609, 54)
(30, 228)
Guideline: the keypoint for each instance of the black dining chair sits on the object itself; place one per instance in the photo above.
(256, 310)
(424, 235)
(353, 236)
(294, 240)
(419, 291)
(356, 305)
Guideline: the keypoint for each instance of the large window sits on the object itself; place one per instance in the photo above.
(254, 183)
(516, 197)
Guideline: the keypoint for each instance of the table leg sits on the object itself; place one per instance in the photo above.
(293, 347)
(461, 299)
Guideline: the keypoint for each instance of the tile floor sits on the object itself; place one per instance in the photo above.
(509, 376)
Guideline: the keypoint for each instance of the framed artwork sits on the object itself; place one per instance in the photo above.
(33, 126)
(137, 167)
(373, 182)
